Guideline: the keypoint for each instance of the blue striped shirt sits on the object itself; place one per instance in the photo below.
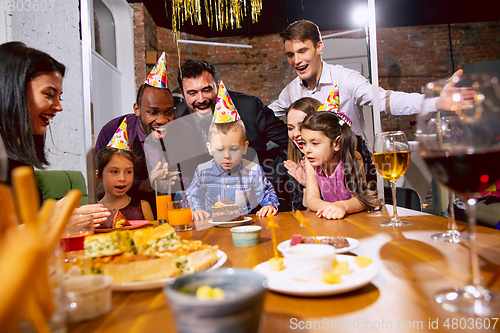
(211, 181)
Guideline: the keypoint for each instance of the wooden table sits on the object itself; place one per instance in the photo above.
(413, 267)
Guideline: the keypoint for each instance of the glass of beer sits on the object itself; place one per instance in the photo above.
(180, 215)
(163, 195)
(72, 241)
(391, 156)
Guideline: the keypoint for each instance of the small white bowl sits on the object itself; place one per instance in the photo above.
(89, 296)
(246, 235)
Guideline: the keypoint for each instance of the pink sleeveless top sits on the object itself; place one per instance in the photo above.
(332, 188)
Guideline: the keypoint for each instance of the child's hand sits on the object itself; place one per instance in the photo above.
(200, 214)
(334, 211)
(267, 210)
(296, 171)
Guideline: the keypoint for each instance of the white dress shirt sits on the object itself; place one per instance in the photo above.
(354, 92)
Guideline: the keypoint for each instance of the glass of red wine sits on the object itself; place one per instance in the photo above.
(459, 134)
(446, 127)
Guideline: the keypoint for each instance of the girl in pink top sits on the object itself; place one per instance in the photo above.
(334, 170)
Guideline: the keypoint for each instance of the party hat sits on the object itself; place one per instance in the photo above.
(158, 76)
(343, 119)
(120, 138)
(225, 111)
(332, 102)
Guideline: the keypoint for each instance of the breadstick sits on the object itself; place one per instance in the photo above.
(63, 213)
(20, 260)
(27, 198)
(42, 294)
(9, 218)
(36, 317)
(44, 214)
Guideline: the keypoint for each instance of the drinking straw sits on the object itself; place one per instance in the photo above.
(178, 164)
(272, 225)
(304, 222)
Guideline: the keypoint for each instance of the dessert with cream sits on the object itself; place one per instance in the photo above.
(307, 262)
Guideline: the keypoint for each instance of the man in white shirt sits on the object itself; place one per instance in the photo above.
(316, 79)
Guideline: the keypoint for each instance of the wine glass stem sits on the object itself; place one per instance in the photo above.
(452, 223)
(474, 259)
(395, 210)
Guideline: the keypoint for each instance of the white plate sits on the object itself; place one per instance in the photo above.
(230, 223)
(159, 283)
(353, 243)
(280, 282)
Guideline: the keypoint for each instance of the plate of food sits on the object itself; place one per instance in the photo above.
(341, 244)
(134, 224)
(229, 224)
(159, 283)
(147, 258)
(282, 282)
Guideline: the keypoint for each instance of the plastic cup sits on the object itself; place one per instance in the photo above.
(163, 195)
(180, 215)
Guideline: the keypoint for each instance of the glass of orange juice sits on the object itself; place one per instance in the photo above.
(179, 214)
(163, 195)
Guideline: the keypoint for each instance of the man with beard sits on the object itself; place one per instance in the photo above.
(267, 135)
(153, 109)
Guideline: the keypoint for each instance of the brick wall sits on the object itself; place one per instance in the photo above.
(56, 32)
(408, 58)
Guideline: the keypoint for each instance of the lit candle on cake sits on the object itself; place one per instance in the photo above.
(275, 263)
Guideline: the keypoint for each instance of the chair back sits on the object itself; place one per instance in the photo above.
(405, 197)
(56, 183)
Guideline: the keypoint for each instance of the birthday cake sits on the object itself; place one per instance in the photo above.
(225, 211)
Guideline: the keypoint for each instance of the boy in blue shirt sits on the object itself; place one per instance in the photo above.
(228, 175)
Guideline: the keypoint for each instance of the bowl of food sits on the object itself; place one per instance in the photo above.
(225, 300)
(246, 235)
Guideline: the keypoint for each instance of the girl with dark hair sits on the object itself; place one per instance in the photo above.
(295, 114)
(30, 97)
(335, 179)
(115, 172)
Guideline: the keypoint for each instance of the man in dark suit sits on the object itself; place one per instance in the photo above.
(267, 135)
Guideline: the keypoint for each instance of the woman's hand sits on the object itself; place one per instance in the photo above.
(296, 171)
(332, 211)
(200, 214)
(266, 211)
(98, 211)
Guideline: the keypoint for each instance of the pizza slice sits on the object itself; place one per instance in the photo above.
(120, 221)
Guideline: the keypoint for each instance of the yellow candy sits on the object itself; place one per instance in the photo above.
(362, 261)
(276, 264)
(204, 293)
(341, 268)
(330, 277)
(218, 294)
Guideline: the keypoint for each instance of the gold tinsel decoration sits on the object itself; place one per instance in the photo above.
(222, 14)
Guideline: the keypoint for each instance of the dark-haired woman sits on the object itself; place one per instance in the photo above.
(30, 97)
